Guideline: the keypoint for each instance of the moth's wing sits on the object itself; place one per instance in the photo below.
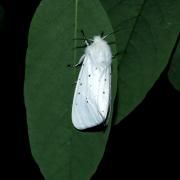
(86, 109)
(104, 92)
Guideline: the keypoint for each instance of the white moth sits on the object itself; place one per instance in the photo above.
(92, 95)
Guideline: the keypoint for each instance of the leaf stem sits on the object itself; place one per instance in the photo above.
(75, 28)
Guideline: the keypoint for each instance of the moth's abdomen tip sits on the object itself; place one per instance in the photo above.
(77, 124)
(81, 126)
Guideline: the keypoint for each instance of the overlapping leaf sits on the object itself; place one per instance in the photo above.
(174, 72)
(146, 44)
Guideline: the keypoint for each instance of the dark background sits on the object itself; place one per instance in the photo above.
(143, 145)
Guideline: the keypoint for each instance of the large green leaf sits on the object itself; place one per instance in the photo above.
(149, 31)
(61, 151)
(174, 71)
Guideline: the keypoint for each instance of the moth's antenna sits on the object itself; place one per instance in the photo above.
(102, 34)
(107, 35)
(83, 35)
(119, 28)
(84, 38)
(110, 34)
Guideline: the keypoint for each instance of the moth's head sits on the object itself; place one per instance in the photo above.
(97, 39)
(99, 52)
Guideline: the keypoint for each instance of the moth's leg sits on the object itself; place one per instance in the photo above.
(122, 53)
(111, 42)
(74, 83)
(86, 41)
(79, 47)
(82, 39)
(102, 34)
(115, 55)
(79, 63)
(78, 39)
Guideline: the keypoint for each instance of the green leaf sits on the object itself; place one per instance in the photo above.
(174, 71)
(148, 31)
(61, 151)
